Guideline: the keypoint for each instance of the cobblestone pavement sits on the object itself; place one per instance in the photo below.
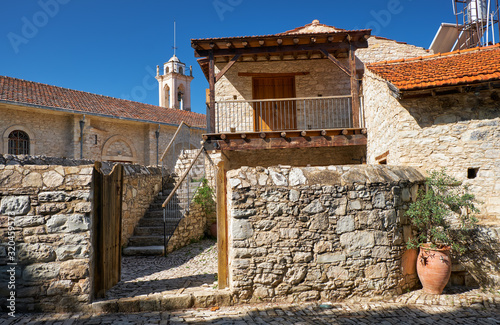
(193, 269)
(362, 313)
(189, 267)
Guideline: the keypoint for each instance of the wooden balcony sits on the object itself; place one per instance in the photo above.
(287, 123)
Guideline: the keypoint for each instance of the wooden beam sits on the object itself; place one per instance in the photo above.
(294, 142)
(277, 49)
(211, 83)
(354, 88)
(227, 67)
(337, 62)
(222, 238)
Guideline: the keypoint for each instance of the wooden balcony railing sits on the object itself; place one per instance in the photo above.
(311, 113)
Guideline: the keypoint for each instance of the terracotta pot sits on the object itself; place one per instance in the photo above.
(434, 268)
(213, 230)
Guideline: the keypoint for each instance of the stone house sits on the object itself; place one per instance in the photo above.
(440, 111)
(291, 95)
(39, 119)
(283, 109)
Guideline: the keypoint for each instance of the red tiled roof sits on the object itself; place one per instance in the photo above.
(448, 69)
(34, 93)
(314, 28)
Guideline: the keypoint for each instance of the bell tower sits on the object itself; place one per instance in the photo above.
(175, 83)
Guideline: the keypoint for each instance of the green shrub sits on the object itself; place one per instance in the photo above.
(443, 213)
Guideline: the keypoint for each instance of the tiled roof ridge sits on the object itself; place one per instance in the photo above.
(437, 55)
(296, 29)
(82, 91)
(26, 92)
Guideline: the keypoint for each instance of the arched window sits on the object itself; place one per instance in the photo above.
(19, 143)
(167, 70)
(181, 71)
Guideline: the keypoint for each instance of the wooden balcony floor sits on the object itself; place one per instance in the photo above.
(287, 139)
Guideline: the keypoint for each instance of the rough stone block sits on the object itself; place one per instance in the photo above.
(345, 224)
(68, 252)
(74, 269)
(28, 221)
(302, 257)
(182, 301)
(359, 240)
(52, 179)
(41, 272)
(35, 253)
(15, 205)
(278, 178)
(242, 229)
(296, 177)
(60, 287)
(376, 271)
(68, 223)
(314, 207)
(330, 258)
(58, 196)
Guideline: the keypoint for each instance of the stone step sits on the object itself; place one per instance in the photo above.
(145, 241)
(163, 301)
(143, 250)
(159, 213)
(155, 222)
(156, 230)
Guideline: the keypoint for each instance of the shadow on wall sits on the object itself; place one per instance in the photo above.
(482, 258)
(447, 109)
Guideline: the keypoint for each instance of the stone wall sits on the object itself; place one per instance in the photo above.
(458, 131)
(320, 232)
(57, 134)
(191, 228)
(45, 251)
(383, 49)
(141, 185)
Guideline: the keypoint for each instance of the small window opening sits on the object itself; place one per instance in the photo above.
(383, 162)
(472, 173)
(95, 139)
(19, 143)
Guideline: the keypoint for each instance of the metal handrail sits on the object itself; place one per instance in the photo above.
(173, 139)
(171, 195)
(280, 99)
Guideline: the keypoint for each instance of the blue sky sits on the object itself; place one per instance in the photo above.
(112, 47)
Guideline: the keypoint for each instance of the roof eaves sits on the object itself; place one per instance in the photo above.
(72, 111)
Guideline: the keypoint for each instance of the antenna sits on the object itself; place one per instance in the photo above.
(174, 47)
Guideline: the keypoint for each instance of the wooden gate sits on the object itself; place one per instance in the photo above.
(106, 229)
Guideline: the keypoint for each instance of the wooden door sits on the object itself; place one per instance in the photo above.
(274, 115)
(107, 211)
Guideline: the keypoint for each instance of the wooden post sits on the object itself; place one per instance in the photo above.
(354, 88)
(222, 238)
(211, 83)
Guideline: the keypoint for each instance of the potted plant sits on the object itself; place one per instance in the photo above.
(443, 215)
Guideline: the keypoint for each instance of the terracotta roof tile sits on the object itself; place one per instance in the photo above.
(442, 69)
(34, 93)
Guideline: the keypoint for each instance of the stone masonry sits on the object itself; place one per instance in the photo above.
(320, 232)
(459, 132)
(45, 234)
(141, 186)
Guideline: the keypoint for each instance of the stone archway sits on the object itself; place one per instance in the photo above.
(119, 149)
(17, 127)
